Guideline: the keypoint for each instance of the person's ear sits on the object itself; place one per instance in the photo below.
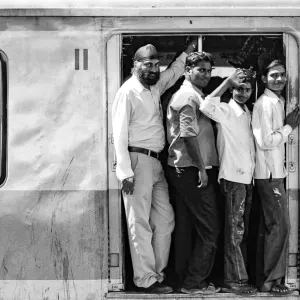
(230, 90)
(188, 69)
(263, 78)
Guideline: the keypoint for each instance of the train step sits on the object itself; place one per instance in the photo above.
(218, 296)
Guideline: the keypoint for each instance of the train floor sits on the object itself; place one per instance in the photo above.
(175, 296)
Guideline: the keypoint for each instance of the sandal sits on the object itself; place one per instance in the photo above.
(280, 289)
(243, 289)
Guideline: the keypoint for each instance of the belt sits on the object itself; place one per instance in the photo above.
(144, 151)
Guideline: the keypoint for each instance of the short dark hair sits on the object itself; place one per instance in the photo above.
(251, 81)
(272, 64)
(195, 57)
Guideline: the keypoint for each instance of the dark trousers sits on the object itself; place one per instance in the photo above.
(275, 230)
(238, 200)
(196, 225)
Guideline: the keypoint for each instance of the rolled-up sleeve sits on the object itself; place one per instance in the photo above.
(265, 136)
(188, 120)
(121, 110)
(169, 76)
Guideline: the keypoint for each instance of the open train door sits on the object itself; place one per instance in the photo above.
(292, 160)
(115, 251)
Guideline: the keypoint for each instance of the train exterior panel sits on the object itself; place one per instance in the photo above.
(60, 216)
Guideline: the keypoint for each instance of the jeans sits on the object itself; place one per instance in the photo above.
(196, 225)
(275, 230)
(238, 198)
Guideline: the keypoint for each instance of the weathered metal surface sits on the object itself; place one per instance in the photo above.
(53, 217)
(180, 24)
(150, 8)
(52, 235)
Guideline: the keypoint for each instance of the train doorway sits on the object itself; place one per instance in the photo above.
(229, 51)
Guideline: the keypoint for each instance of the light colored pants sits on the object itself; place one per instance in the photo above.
(150, 220)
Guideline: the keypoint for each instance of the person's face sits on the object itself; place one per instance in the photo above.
(275, 79)
(148, 71)
(243, 93)
(200, 74)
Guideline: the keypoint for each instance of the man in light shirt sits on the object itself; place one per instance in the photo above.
(236, 150)
(192, 173)
(271, 130)
(139, 137)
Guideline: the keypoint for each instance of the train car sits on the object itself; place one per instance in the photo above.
(62, 234)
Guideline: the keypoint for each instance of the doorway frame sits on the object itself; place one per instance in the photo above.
(114, 67)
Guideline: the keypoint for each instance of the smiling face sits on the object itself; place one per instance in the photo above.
(242, 94)
(200, 74)
(275, 79)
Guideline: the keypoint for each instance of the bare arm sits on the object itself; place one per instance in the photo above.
(169, 76)
(235, 79)
(193, 151)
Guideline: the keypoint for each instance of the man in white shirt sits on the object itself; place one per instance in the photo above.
(271, 130)
(236, 151)
(139, 137)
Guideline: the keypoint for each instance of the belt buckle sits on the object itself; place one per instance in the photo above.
(149, 152)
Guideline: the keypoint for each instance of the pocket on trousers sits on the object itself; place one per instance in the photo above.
(134, 159)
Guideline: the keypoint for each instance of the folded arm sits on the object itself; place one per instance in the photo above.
(265, 135)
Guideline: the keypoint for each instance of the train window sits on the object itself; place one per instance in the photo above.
(3, 116)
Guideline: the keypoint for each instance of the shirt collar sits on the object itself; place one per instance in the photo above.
(137, 84)
(190, 85)
(273, 97)
(237, 109)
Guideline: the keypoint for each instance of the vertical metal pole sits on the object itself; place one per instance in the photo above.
(200, 45)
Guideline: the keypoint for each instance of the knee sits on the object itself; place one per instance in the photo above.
(170, 223)
(165, 226)
(281, 227)
(213, 235)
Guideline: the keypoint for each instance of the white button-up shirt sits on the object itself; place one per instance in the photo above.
(137, 116)
(235, 141)
(270, 136)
